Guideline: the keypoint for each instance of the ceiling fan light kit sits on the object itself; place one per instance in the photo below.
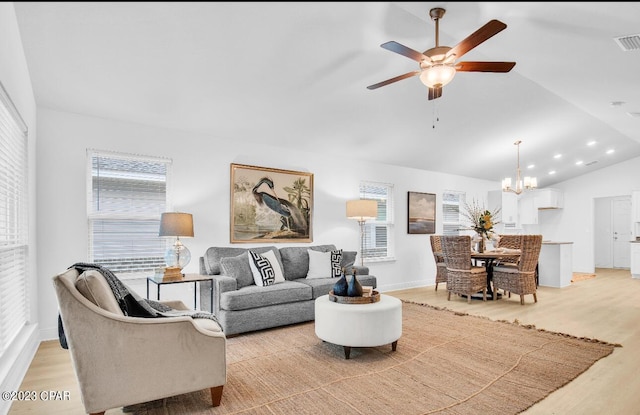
(438, 65)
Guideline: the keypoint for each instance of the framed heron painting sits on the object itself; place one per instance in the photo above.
(270, 205)
(422, 213)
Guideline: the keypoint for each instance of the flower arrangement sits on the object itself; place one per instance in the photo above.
(482, 220)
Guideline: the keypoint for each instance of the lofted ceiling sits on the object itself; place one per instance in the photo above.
(295, 75)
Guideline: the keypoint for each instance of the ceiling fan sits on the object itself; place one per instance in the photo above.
(438, 65)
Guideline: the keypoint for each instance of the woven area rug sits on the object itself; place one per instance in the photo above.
(446, 363)
(581, 276)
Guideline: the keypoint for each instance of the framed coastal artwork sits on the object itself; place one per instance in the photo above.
(421, 213)
(270, 205)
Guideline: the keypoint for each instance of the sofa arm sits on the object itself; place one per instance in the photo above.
(221, 284)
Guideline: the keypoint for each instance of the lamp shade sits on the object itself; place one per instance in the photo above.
(176, 224)
(362, 209)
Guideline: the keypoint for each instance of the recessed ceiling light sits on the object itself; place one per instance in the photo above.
(611, 151)
(617, 103)
(552, 172)
(591, 143)
(530, 166)
(557, 156)
(579, 162)
(634, 114)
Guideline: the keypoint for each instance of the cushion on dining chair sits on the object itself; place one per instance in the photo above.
(507, 269)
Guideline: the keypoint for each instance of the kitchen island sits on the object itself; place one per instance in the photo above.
(555, 264)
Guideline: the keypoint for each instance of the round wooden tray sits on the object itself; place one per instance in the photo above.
(375, 297)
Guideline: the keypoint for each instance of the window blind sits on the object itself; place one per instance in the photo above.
(377, 233)
(127, 195)
(13, 222)
(451, 202)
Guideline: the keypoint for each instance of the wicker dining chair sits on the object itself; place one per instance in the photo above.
(462, 277)
(441, 267)
(510, 242)
(521, 279)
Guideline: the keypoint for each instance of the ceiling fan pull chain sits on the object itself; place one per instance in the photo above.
(436, 117)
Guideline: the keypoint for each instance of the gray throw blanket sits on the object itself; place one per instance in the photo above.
(130, 302)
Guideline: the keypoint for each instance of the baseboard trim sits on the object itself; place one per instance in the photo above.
(16, 361)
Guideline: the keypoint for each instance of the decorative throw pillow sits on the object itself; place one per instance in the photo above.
(262, 270)
(238, 268)
(336, 263)
(324, 264)
(277, 270)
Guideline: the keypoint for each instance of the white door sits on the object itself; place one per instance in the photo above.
(621, 220)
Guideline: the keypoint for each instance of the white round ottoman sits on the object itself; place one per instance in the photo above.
(359, 325)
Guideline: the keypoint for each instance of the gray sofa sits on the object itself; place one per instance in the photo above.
(241, 306)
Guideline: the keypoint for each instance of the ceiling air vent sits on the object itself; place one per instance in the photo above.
(629, 42)
(591, 163)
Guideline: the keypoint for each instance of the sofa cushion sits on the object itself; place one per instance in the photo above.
(261, 270)
(254, 296)
(95, 288)
(238, 267)
(295, 260)
(213, 255)
(348, 260)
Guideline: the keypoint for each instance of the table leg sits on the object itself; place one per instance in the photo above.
(147, 289)
(158, 296)
(195, 292)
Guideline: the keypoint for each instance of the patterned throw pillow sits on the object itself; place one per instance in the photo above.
(336, 263)
(324, 264)
(263, 272)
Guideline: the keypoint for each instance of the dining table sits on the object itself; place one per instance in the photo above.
(490, 259)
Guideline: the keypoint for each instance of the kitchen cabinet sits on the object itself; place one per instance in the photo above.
(527, 210)
(635, 259)
(548, 199)
(635, 206)
(508, 204)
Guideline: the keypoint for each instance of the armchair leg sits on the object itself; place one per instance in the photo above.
(97, 413)
(216, 395)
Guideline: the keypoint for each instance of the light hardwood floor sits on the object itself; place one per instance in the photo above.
(605, 308)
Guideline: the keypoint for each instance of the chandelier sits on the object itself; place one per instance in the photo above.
(529, 182)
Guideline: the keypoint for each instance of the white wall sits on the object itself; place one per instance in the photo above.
(201, 167)
(14, 76)
(575, 222)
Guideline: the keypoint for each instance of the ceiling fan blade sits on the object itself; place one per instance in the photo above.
(404, 51)
(484, 66)
(485, 32)
(392, 80)
(435, 93)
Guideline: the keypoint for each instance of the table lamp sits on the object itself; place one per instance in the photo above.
(362, 210)
(177, 256)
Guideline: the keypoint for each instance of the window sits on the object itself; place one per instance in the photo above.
(452, 201)
(127, 195)
(14, 233)
(378, 234)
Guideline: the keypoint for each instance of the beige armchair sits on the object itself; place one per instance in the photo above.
(120, 360)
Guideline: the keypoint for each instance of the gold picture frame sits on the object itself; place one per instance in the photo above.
(270, 205)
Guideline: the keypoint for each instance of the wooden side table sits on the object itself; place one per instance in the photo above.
(194, 278)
